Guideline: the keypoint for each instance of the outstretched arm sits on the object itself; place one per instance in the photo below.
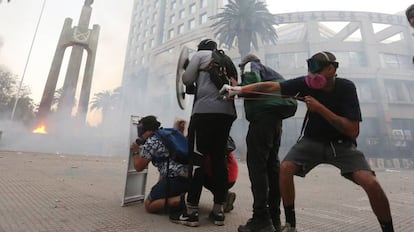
(266, 87)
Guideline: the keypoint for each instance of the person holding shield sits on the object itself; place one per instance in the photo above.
(209, 128)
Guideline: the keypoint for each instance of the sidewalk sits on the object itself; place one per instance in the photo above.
(59, 193)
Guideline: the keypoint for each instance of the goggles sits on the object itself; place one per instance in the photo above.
(315, 66)
(141, 129)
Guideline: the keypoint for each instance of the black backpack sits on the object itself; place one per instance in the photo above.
(221, 69)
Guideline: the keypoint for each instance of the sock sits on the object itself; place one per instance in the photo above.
(217, 208)
(387, 226)
(192, 208)
(290, 215)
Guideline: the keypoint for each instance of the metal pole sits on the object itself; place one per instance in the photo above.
(27, 62)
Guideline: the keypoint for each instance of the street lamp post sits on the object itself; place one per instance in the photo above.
(27, 62)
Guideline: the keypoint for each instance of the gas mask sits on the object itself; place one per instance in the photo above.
(316, 80)
(140, 129)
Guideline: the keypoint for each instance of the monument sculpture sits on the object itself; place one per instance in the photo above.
(80, 38)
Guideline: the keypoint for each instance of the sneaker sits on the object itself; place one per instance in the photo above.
(185, 219)
(228, 205)
(217, 219)
(257, 225)
(288, 228)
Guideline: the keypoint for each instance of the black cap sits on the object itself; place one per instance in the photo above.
(207, 44)
(248, 58)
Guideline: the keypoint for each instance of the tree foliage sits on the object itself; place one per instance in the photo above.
(243, 21)
(25, 106)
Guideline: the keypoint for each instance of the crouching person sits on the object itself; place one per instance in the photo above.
(173, 181)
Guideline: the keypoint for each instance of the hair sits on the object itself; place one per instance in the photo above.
(410, 12)
(207, 44)
(150, 123)
(324, 56)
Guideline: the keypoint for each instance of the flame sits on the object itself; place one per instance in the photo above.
(41, 129)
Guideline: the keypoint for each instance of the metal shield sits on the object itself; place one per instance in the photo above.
(179, 86)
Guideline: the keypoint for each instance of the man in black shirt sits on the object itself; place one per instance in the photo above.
(329, 133)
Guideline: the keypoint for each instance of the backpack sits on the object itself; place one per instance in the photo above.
(176, 144)
(285, 107)
(220, 68)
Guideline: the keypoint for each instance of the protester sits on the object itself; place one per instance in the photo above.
(209, 127)
(330, 129)
(149, 148)
(263, 141)
(232, 169)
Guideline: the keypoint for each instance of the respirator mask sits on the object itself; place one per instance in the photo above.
(141, 129)
(315, 80)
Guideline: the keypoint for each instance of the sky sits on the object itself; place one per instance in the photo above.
(18, 20)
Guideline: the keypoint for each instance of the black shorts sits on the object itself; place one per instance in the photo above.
(344, 155)
(178, 185)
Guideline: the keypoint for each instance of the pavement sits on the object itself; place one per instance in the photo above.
(58, 193)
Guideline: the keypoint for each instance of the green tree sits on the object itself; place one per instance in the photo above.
(107, 101)
(243, 21)
(25, 106)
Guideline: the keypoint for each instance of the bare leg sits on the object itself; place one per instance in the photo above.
(158, 205)
(287, 190)
(377, 198)
(287, 186)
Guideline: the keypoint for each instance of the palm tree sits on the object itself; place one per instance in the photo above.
(244, 21)
(106, 101)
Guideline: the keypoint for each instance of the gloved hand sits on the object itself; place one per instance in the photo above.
(228, 91)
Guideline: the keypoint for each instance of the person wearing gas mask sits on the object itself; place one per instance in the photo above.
(329, 133)
(149, 148)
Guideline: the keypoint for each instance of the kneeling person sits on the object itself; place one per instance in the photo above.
(173, 181)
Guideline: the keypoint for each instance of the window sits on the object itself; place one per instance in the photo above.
(182, 14)
(173, 4)
(395, 61)
(182, 2)
(154, 16)
(170, 33)
(152, 30)
(203, 18)
(364, 91)
(180, 29)
(351, 59)
(287, 60)
(151, 43)
(191, 24)
(203, 3)
(172, 19)
(156, 4)
(396, 91)
(192, 8)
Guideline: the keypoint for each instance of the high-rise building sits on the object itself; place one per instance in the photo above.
(374, 50)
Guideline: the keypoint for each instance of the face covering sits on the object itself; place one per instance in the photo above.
(316, 81)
